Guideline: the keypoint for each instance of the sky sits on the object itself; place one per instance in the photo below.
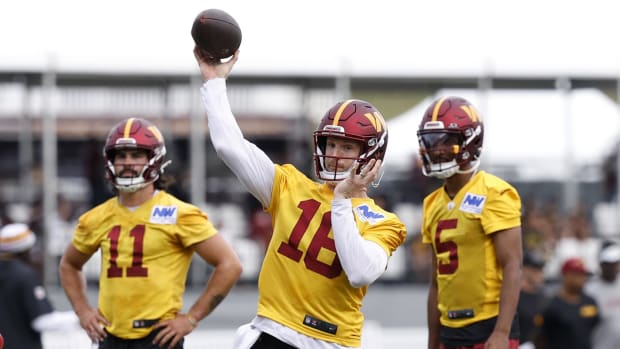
(357, 37)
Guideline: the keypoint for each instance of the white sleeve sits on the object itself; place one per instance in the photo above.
(249, 163)
(362, 260)
(56, 321)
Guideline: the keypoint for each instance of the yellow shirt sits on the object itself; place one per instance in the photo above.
(145, 256)
(468, 275)
(301, 280)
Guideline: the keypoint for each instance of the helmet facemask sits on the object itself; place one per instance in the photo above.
(450, 137)
(352, 120)
(150, 172)
(448, 152)
(321, 158)
(372, 148)
(135, 134)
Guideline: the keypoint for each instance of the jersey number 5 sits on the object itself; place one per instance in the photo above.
(320, 240)
(136, 269)
(446, 246)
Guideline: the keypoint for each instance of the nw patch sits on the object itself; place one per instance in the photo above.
(473, 203)
(164, 215)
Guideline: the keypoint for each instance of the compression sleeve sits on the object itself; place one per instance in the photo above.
(249, 163)
(362, 260)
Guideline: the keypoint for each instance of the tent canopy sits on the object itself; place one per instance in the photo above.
(536, 134)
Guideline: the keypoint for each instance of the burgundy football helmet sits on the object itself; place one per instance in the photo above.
(450, 137)
(135, 133)
(353, 120)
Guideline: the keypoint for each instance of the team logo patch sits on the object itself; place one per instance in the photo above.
(164, 215)
(473, 203)
(367, 215)
(588, 310)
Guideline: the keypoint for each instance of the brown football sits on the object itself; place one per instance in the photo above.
(216, 33)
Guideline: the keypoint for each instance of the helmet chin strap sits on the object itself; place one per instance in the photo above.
(131, 188)
(438, 172)
(133, 184)
(451, 168)
(474, 166)
(336, 176)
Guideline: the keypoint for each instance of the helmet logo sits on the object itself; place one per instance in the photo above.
(376, 119)
(155, 131)
(471, 112)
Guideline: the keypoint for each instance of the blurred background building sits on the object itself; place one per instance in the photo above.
(545, 76)
(554, 138)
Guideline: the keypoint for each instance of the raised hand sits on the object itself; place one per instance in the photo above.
(211, 68)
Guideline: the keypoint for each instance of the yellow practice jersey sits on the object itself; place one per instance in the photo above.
(145, 256)
(302, 284)
(460, 230)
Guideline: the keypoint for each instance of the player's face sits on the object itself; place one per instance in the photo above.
(340, 153)
(129, 163)
(441, 146)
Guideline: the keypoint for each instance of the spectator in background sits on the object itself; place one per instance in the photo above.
(576, 241)
(532, 298)
(93, 169)
(571, 315)
(25, 309)
(606, 290)
(610, 176)
(60, 228)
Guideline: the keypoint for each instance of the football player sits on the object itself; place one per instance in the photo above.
(147, 238)
(473, 224)
(330, 240)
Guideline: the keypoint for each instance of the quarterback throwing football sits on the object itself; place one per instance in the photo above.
(330, 240)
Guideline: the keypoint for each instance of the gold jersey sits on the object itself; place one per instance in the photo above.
(302, 284)
(145, 256)
(460, 230)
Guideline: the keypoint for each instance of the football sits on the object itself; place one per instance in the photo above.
(216, 33)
